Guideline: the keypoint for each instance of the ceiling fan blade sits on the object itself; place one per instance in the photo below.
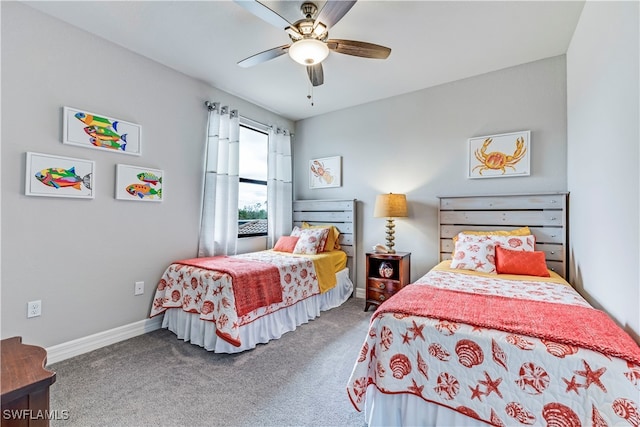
(316, 75)
(333, 11)
(356, 48)
(265, 56)
(264, 13)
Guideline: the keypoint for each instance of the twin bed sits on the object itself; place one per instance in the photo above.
(232, 304)
(494, 334)
(495, 337)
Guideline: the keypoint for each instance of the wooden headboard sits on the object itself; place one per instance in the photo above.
(341, 214)
(546, 214)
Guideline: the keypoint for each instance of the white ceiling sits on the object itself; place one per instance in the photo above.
(432, 42)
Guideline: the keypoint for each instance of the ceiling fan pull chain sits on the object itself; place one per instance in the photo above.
(310, 96)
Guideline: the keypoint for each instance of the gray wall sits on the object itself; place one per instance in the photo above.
(417, 144)
(82, 257)
(604, 163)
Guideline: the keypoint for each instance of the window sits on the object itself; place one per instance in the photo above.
(252, 196)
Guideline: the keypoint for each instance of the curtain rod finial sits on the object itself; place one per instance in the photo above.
(211, 106)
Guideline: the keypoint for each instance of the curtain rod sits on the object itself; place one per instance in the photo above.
(255, 122)
(212, 106)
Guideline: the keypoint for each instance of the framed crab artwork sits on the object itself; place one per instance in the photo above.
(325, 172)
(499, 156)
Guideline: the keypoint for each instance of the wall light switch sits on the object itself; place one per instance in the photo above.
(139, 288)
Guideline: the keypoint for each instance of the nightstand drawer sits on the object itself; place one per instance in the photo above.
(379, 296)
(388, 286)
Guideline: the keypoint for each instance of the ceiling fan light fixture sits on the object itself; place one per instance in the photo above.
(320, 29)
(308, 51)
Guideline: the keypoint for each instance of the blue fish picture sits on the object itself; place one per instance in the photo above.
(92, 130)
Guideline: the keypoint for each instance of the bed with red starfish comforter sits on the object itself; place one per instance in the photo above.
(466, 348)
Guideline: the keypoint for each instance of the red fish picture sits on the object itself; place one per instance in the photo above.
(55, 176)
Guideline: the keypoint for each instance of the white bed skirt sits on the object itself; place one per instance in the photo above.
(391, 410)
(189, 326)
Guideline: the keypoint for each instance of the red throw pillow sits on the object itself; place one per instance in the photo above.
(530, 263)
(286, 244)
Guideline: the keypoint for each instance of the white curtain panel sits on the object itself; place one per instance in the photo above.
(219, 219)
(279, 186)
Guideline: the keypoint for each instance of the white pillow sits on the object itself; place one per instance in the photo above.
(311, 240)
(475, 253)
(515, 243)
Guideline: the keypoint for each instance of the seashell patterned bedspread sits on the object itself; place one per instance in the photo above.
(211, 294)
(499, 376)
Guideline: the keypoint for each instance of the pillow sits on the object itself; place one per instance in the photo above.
(524, 231)
(309, 241)
(286, 244)
(475, 253)
(333, 237)
(515, 243)
(530, 263)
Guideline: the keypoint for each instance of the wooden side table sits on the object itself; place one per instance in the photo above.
(25, 384)
(381, 284)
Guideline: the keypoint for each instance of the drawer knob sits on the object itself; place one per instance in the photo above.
(552, 252)
(382, 297)
(381, 285)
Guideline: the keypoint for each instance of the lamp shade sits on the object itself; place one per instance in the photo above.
(390, 206)
(308, 51)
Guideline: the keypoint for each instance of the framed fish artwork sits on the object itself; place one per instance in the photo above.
(139, 183)
(55, 176)
(92, 130)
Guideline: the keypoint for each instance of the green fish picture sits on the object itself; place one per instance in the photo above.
(140, 184)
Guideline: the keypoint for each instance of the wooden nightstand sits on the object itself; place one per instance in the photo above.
(380, 288)
(25, 384)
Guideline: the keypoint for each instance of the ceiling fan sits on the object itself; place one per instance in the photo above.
(310, 43)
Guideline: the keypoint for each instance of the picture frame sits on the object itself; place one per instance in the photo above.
(55, 176)
(137, 183)
(92, 130)
(325, 172)
(500, 156)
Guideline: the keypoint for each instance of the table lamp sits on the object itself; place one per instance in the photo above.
(390, 206)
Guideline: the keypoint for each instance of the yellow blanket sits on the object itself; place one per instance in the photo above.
(555, 277)
(327, 264)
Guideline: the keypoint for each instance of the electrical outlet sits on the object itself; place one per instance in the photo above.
(34, 308)
(139, 288)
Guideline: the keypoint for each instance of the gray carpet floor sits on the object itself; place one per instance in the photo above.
(158, 380)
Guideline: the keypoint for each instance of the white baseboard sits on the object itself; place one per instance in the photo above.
(66, 350)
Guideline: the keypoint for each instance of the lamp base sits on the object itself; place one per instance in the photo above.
(390, 235)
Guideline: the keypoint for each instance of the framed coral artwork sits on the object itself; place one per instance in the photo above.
(54, 176)
(325, 172)
(139, 183)
(92, 130)
(499, 156)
